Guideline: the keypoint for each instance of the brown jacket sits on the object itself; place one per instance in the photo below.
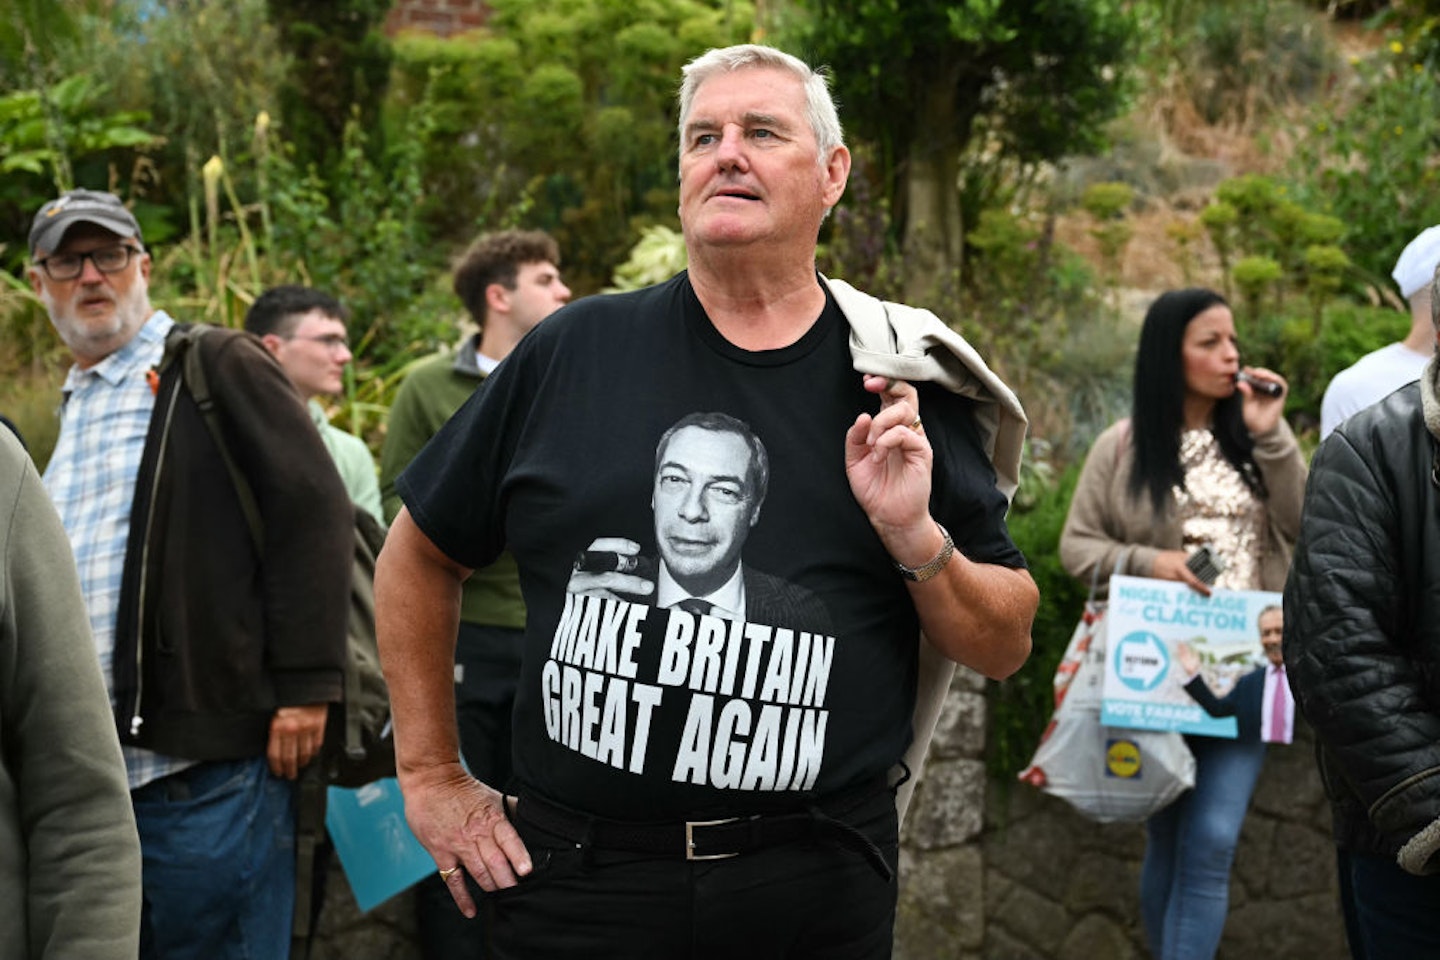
(212, 636)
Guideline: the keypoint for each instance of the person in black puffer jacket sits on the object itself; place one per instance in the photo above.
(1362, 648)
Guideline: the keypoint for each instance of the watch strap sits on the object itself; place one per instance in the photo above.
(927, 570)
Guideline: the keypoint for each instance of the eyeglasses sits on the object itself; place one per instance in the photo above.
(68, 266)
(333, 342)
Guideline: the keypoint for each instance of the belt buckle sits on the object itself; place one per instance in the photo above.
(690, 826)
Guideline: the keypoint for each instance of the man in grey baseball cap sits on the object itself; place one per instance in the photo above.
(221, 659)
(80, 206)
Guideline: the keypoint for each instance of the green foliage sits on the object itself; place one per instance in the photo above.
(31, 34)
(1367, 158)
(1035, 311)
(356, 236)
(1021, 705)
(1271, 247)
(1289, 343)
(202, 70)
(1255, 276)
(31, 370)
(1325, 268)
(1107, 203)
(39, 134)
(1185, 235)
(1237, 61)
(856, 239)
(339, 66)
(1020, 80)
(1291, 267)
(657, 256)
(560, 115)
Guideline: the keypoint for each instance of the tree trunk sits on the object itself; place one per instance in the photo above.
(933, 242)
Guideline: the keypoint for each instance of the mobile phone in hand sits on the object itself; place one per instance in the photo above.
(1206, 564)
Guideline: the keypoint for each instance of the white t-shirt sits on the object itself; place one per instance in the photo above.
(1368, 380)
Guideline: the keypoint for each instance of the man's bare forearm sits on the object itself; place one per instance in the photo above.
(417, 617)
(979, 614)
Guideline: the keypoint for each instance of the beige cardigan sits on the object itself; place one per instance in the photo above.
(1104, 519)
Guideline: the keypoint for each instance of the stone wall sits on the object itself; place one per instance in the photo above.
(1000, 871)
(1030, 879)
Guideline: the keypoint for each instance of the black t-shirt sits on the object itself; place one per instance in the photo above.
(633, 710)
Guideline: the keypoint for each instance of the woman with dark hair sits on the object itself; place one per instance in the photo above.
(1202, 459)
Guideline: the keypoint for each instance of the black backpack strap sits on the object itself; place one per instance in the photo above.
(183, 343)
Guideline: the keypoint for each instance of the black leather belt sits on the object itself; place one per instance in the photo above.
(718, 839)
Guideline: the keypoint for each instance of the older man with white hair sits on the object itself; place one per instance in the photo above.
(689, 784)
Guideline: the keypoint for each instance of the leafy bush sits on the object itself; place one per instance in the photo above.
(1236, 61)
(1367, 158)
(560, 115)
(337, 70)
(203, 71)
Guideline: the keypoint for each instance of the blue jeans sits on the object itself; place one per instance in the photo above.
(1389, 913)
(218, 846)
(1185, 880)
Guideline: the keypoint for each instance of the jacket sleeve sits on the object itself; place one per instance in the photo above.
(1278, 456)
(407, 430)
(77, 848)
(1201, 693)
(1092, 539)
(307, 516)
(1353, 680)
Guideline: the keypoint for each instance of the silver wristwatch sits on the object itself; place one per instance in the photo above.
(927, 570)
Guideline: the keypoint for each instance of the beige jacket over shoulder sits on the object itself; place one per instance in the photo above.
(1104, 519)
(893, 340)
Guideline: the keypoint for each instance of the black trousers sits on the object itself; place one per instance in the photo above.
(806, 900)
(489, 659)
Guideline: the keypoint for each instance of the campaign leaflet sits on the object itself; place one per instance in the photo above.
(1148, 620)
(379, 854)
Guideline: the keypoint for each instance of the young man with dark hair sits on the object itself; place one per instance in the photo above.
(305, 330)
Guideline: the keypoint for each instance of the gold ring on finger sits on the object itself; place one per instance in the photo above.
(447, 874)
(916, 425)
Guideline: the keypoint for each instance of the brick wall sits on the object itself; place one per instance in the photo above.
(440, 17)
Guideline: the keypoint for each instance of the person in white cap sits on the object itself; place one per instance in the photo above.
(1373, 377)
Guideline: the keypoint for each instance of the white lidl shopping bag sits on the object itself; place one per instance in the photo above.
(1107, 773)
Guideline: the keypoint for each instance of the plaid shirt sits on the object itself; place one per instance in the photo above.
(91, 479)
